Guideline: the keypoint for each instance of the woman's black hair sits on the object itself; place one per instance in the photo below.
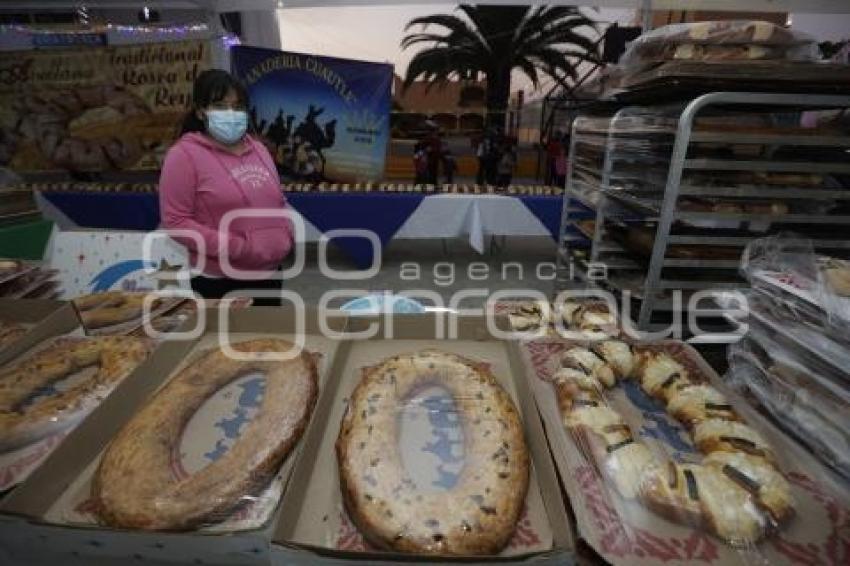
(210, 87)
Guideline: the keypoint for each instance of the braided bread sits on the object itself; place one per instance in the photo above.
(736, 492)
(592, 319)
(694, 404)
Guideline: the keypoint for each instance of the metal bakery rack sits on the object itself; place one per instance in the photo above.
(679, 190)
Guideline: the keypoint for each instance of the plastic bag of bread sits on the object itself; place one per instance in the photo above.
(54, 386)
(804, 397)
(735, 40)
(832, 293)
(458, 483)
(786, 270)
(244, 416)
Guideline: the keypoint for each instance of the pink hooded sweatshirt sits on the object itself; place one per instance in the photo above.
(201, 182)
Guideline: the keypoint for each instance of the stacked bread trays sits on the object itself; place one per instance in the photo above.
(679, 190)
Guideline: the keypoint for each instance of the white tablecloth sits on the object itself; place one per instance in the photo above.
(475, 217)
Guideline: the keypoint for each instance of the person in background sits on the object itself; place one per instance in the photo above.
(506, 165)
(482, 151)
(554, 150)
(561, 164)
(449, 166)
(434, 152)
(215, 168)
(494, 155)
(420, 163)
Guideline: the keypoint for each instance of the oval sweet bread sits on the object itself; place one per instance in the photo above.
(100, 310)
(729, 436)
(134, 486)
(10, 332)
(476, 517)
(627, 467)
(27, 415)
(659, 374)
(618, 355)
(575, 392)
(99, 300)
(696, 403)
(758, 477)
(9, 266)
(673, 491)
(736, 492)
(585, 360)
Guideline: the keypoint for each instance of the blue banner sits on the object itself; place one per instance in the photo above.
(327, 119)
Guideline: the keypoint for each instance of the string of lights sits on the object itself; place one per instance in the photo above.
(103, 28)
(122, 31)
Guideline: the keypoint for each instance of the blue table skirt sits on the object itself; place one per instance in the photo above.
(382, 213)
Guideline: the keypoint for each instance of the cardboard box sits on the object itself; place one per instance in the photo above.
(43, 319)
(30, 514)
(312, 526)
(58, 321)
(625, 533)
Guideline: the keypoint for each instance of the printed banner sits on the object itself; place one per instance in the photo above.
(326, 119)
(95, 108)
(96, 261)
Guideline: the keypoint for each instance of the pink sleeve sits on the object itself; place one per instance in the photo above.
(177, 188)
(270, 164)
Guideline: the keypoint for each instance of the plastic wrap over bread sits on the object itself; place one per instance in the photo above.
(807, 399)
(735, 40)
(663, 463)
(731, 486)
(811, 288)
(55, 386)
(484, 476)
(144, 480)
(583, 317)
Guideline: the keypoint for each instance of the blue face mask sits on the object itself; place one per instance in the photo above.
(227, 126)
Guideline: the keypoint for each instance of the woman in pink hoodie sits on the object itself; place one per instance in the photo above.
(214, 169)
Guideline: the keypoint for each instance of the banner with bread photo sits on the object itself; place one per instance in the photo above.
(92, 109)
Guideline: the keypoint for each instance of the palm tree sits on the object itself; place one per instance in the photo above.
(493, 41)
